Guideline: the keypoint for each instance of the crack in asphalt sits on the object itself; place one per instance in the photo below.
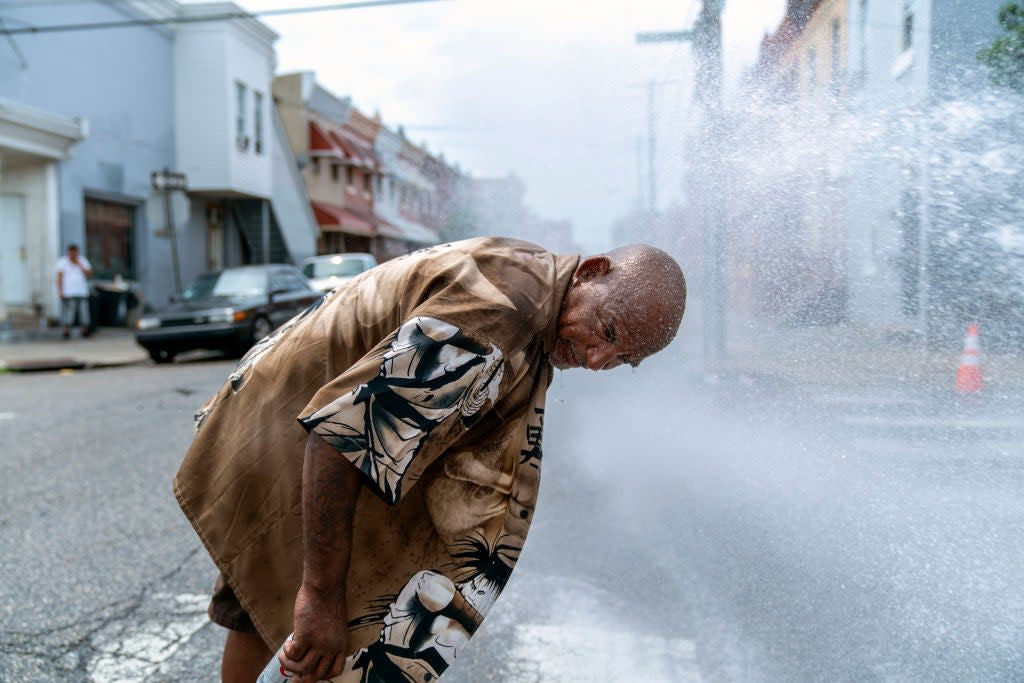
(70, 656)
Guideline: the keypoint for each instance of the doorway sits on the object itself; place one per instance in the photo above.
(13, 250)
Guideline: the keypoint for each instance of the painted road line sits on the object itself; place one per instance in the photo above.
(582, 653)
(133, 654)
(8, 416)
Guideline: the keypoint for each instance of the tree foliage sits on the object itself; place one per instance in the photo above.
(1005, 56)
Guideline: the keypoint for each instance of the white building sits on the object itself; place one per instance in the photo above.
(78, 148)
(248, 200)
(904, 57)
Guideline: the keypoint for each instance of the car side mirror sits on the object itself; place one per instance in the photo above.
(276, 292)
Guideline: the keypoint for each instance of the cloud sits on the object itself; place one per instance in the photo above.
(554, 91)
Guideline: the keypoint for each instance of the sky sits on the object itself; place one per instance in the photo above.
(554, 91)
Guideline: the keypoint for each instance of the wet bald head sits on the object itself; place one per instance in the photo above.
(648, 287)
(621, 307)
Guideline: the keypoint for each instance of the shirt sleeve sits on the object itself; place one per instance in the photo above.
(432, 382)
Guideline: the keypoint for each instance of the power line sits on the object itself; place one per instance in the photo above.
(225, 16)
(14, 46)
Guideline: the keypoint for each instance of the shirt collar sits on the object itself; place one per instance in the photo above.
(565, 266)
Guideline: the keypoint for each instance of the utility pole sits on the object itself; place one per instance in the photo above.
(652, 179)
(652, 146)
(706, 37)
(169, 182)
(640, 173)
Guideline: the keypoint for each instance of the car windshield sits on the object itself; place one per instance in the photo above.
(227, 283)
(338, 267)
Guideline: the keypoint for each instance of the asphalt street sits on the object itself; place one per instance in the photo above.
(686, 532)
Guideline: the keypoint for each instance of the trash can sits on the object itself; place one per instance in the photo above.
(112, 303)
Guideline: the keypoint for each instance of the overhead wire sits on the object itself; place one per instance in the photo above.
(200, 19)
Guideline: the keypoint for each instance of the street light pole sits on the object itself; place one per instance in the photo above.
(652, 180)
(706, 37)
(169, 182)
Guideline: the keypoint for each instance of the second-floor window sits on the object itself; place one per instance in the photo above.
(349, 176)
(908, 24)
(837, 41)
(812, 67)
(335, 172)
(367, 179)
(864, 38)
(257, 121)
(241, 137)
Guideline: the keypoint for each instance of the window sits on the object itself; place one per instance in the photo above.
(349, 176)
(864, 39)
(278, 282)
(110, 239)
(909, 261)
(908, 24)
(335, 172)
(812, 67)
(257, 121)
(836, 46)
(367, 179)
(295, 281)
(316, 165)
(241, 139)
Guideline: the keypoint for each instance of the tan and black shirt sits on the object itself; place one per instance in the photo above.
(429, 374)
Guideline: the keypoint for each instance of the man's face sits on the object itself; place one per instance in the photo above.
(73, 255)
(592, 330)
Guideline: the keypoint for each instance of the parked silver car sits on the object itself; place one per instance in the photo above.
(328, 271)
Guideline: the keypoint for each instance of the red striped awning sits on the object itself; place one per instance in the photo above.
(358, 149)
(333, 218)
(320, 142)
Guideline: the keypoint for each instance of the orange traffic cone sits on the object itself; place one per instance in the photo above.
(968, 375)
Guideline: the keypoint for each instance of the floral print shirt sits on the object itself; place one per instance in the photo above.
(428, 374)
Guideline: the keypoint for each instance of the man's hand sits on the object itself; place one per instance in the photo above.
(330, 488)
(320, 644)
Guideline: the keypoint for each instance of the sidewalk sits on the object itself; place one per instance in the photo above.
(852, 356)
(45, 350)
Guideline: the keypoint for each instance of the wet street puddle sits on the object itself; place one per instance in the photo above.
(581, 653)
(130, 655)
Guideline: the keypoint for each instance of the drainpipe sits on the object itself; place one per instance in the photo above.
(265, 232)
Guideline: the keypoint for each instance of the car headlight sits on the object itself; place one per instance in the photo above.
(147, 323)
(227, 315)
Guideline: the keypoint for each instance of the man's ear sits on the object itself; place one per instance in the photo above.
(592, 267)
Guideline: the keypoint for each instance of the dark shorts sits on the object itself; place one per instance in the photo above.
(226, 611)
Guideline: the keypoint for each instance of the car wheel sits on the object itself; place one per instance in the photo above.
(261, 329)
(161, 355)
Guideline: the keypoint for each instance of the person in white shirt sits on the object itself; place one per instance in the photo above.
(73, 290)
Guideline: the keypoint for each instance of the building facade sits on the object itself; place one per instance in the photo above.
(78, 148)
(850, 88)
(364, 180)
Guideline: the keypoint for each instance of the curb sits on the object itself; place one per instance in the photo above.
(58, 364)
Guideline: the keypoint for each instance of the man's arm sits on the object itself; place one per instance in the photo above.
(60, 283)
(330, 487)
